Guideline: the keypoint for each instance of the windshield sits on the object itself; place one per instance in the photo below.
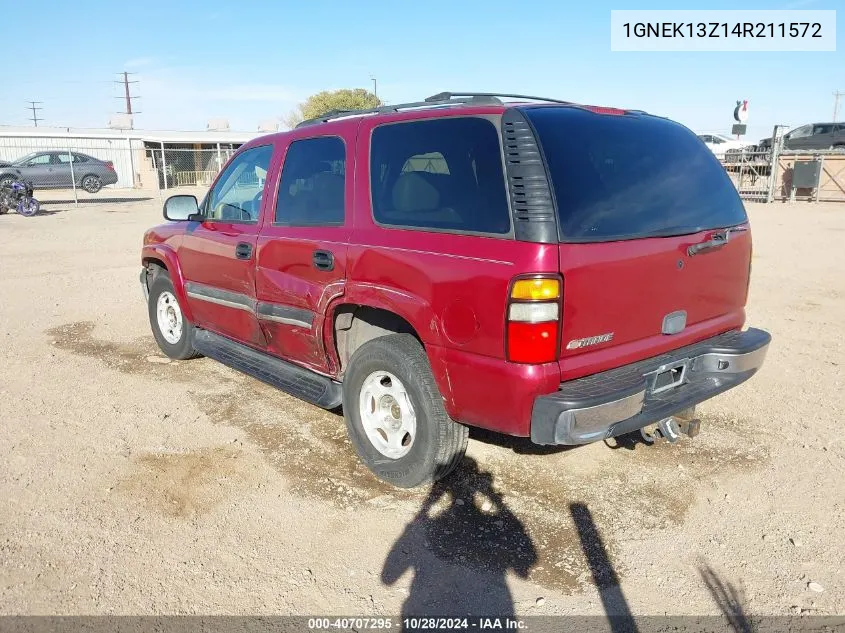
(631, 176)
(24, 159)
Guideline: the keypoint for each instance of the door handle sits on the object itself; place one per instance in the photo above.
(243, 250)
(323, 260)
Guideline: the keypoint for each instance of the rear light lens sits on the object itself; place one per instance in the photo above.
(533, 312)
(604, 110)
(535, 289)
(532, 342)
(109, 165)
(533, 328)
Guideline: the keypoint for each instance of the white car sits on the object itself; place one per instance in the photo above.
(719, 144)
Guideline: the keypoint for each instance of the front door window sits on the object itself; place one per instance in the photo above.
(236, 196)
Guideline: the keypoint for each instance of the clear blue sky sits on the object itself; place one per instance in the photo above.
(251, 61)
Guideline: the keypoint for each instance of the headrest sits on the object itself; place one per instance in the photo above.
(328, 188)
(413, 193)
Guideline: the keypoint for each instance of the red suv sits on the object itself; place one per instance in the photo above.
(539, 268)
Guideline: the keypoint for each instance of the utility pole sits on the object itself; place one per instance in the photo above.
(375, 86)
(33, 105)
(126, 96)
(836, 96)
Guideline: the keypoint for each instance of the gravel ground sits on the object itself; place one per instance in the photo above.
(130, 484)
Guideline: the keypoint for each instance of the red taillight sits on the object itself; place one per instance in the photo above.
(604, 110)
(532, 342)
(533, 320)
(109, 165)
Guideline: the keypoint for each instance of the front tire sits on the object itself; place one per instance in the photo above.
(171, 329)
(395, 416)
(28, 207)
(91, 183)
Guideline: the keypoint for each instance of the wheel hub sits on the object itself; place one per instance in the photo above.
(169, 317)
(387, 414)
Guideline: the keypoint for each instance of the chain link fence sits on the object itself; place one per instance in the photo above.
(95, 170)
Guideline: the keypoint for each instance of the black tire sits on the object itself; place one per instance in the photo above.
(440, 442)
(6, 180)
(91, 183)
(183, 348)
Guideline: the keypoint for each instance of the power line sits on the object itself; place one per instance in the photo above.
(126, 96)
(836, 96)
(33, 105)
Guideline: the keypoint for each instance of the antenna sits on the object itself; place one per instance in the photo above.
(33, 105)
(836, 96)
(126, 96)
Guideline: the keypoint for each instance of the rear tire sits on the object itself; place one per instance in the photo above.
(91, 183)
(171, 329)
(390, 378)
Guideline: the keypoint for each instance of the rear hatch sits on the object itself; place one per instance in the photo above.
(654, 241)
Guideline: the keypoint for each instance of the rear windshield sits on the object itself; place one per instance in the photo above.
(630, 176)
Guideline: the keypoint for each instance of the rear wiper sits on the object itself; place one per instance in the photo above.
(717, 240)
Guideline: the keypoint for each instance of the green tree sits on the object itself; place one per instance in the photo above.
(328, 100)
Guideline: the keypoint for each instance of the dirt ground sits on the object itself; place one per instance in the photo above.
(130, 484)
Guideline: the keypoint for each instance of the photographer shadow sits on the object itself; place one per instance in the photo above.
(460, 547)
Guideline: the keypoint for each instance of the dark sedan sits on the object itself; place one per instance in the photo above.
(53, 170)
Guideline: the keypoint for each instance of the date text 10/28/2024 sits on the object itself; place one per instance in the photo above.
(417, 624)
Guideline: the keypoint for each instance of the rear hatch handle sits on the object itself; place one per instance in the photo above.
(717, 240)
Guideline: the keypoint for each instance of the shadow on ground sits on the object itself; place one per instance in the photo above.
(519, 445)
(729, 600)
(465, 539)
(459, 547)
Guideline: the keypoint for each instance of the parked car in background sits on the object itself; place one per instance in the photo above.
(813, 136)
(52, 169)
(391, 261)
(720, 144)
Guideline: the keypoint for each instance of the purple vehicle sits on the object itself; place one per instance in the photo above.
(17, 195)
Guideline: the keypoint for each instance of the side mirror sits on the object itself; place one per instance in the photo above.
(180, 208)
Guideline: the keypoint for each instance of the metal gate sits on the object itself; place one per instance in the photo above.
(753, 170)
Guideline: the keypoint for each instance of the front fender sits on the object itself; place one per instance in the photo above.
(167, 256)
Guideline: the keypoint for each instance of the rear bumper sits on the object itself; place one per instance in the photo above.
(628, 398)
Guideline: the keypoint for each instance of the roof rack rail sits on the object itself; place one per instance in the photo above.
(446, 96)
(440, 99)
(336, 114)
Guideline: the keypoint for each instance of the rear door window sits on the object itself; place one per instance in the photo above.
(312, 188)
(439, 174)
(631, 176)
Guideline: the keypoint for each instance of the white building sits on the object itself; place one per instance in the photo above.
(141, 158)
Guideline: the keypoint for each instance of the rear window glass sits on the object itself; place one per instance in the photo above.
(441, 174)
(630, 176)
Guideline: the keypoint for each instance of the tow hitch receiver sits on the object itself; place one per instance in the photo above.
(672, 428)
